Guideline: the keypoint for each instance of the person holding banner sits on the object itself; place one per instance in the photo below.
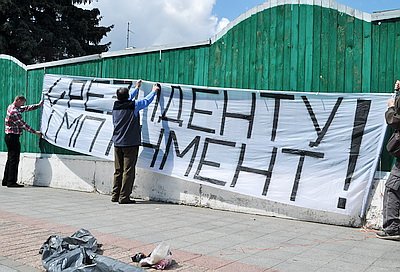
(127, 138)
(391, 198)
(14, 125)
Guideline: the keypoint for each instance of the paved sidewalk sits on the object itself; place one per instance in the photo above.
(201, 239)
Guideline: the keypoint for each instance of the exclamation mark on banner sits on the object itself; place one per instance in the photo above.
(360, 120)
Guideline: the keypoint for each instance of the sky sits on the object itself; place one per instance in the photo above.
(173, 22)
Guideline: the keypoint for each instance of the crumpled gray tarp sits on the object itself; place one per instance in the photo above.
(78, 253)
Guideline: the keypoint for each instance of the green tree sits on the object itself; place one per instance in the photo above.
(35, 31)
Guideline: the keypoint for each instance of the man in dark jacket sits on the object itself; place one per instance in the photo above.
(127, 139)
(391, 198)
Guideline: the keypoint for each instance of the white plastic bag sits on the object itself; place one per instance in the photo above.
(161, 252)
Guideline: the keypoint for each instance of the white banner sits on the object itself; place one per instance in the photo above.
(317, 151)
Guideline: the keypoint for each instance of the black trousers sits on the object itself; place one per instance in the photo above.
(391, 205)
(14, 150)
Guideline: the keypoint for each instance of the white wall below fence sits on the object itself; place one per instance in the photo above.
(90, 174)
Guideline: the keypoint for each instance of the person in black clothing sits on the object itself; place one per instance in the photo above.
(391, 198)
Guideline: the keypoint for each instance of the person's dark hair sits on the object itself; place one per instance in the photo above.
(122, 93)
(20, 97)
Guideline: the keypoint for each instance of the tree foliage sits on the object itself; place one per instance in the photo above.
(37, 31)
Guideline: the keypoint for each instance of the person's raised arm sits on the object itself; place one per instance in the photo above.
(143, 103)
(31, 107)
(136, 90)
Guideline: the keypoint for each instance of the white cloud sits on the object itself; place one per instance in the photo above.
(222, 24)
(159, 22)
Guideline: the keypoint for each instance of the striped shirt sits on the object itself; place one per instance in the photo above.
(14, 124)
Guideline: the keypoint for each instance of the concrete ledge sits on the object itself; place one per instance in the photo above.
(88, 174)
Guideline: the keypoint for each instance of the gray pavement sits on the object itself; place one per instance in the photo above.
(201, 239)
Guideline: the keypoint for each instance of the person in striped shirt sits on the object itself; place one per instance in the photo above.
(14, 125)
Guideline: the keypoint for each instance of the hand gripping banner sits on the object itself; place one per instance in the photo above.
(317, 151)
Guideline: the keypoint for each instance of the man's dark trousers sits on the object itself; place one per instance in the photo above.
(14, 150)
(125, 159)
(391, 204)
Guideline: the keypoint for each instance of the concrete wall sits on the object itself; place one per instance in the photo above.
(374, 218)
(90, 174)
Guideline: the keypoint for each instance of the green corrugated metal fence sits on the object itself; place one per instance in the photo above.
(287, 47)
